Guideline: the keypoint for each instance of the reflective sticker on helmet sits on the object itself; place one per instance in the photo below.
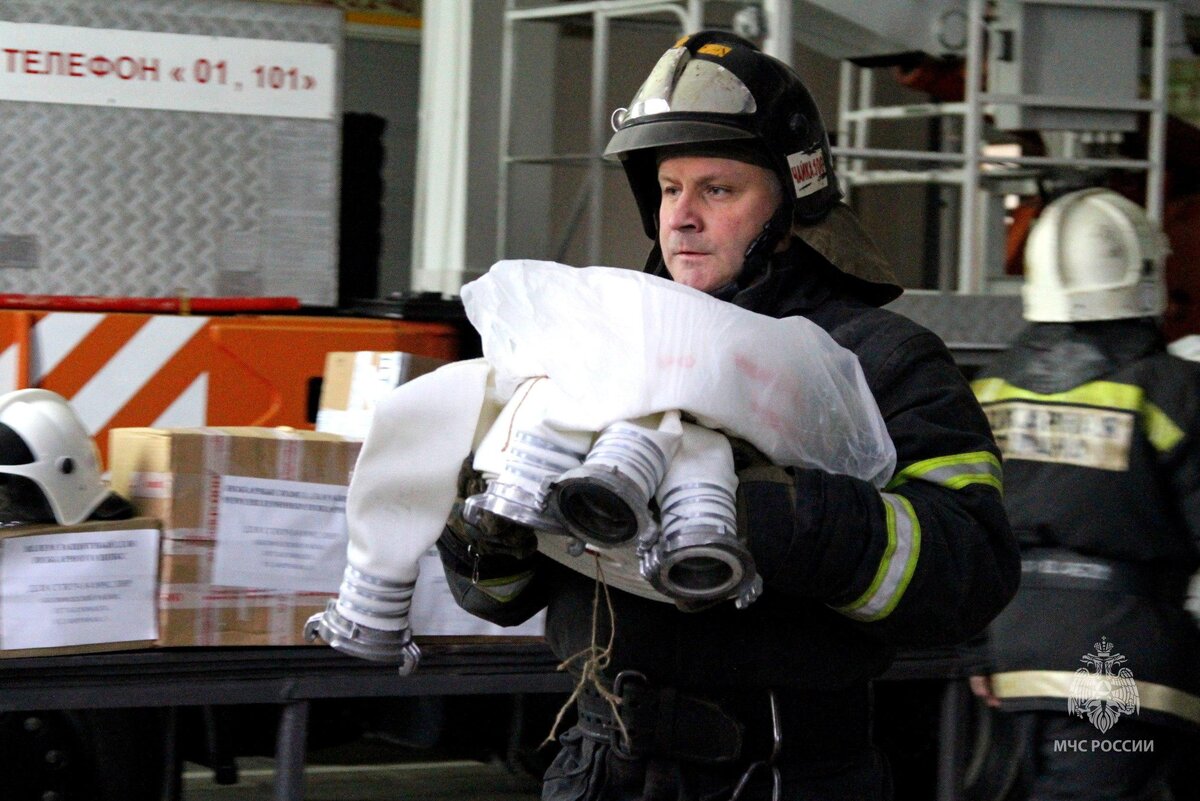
(808, 172)
(720, 51)
(682, 39)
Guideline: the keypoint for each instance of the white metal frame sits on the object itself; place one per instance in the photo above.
(963, 168)
(602, 12)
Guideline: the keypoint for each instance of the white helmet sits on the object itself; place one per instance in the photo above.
(49, 464)
(1094, 255)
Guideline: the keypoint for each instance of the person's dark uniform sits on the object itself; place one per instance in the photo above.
(849, 572)
(1098, 425)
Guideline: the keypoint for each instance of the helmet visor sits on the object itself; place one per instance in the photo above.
(680, 83)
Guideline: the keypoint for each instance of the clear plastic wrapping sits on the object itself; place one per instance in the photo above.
(620, 344)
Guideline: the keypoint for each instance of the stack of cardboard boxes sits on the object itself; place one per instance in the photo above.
(253, 526)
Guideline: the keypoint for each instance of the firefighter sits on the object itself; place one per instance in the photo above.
(1096, 657)
(729, 162)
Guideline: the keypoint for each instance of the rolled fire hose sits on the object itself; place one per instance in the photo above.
(400, 495)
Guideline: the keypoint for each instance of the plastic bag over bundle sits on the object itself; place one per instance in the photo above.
(621, 344)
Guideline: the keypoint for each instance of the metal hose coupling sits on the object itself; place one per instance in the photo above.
(605, 501)
(520, 491)
(698, 556)
(368, 620)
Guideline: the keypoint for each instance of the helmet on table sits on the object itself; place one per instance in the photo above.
(49, 464)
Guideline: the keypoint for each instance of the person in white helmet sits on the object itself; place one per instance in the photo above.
(1096, 658)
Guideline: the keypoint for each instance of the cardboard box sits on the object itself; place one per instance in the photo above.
(78, 589)
(254, 536)
(254, 530)
(196, 611)
(175, 474)
(354, 381)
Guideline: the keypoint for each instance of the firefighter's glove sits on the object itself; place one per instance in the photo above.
(492, 535)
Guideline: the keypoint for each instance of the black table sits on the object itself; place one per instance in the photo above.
(292, 677)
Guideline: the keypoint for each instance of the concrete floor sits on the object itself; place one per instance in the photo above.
(410, 781)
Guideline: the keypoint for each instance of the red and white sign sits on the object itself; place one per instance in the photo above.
(808, 171)
(169, 71)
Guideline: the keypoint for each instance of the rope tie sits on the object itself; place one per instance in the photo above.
(595, 660)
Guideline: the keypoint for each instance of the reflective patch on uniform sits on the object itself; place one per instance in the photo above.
(1162, 432)
(1075, 435)
(896, 567)
(1058, 683)
(1110, 394)
(955, 471)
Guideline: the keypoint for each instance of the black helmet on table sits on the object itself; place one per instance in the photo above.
(715, 93)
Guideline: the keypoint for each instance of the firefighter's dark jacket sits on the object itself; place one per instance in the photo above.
(1099, 426)
(850, 572)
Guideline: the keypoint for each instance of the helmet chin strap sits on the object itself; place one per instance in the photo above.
(760, 249)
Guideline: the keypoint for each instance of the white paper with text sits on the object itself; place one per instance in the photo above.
(282, 535)
(78, 588)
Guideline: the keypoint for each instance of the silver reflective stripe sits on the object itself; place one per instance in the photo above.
(895, 567)
(954, 472)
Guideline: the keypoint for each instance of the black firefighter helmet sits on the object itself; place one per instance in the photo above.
(715, 87)
(714, 92)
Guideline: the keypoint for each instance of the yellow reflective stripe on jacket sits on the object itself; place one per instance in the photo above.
(955, 472)
(1094, 393)
(1160, 429)
(1059, 684)
(897, 565)
(505, 588)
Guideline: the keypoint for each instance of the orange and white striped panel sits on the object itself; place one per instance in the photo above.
(115, 369)
(122, 370)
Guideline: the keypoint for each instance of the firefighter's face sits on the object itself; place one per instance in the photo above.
(711, 210)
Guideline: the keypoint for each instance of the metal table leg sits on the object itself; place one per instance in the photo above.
(952, 734)
(172, 787)
(291, 741)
